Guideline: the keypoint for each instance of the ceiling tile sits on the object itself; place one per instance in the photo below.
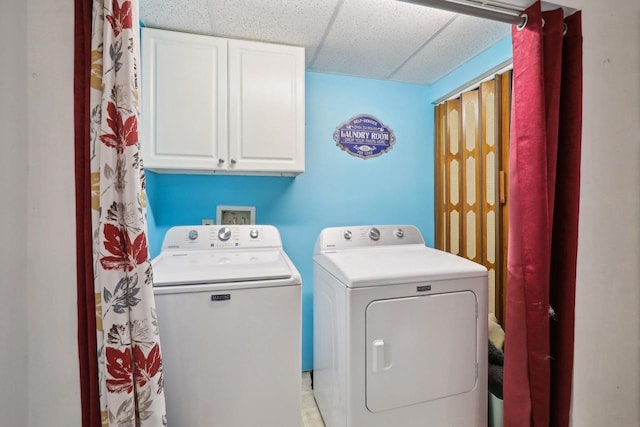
(463, 39)
(382, 39)
(189, 16)
(294, 22)
(373, 37)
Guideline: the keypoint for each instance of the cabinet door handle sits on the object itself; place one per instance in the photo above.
(220, 160)
(233, 161)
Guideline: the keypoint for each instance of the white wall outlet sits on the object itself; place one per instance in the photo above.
(207, 221)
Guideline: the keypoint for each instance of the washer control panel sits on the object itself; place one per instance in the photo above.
(364, 236)
(222, 237)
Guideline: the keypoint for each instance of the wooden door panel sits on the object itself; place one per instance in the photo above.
(471, 154)
(454, 176)
(471, 178)
(441, 181)
(490, 231)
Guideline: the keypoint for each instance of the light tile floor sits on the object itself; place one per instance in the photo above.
(310, 415)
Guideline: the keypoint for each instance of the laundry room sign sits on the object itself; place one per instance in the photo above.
(364, 136)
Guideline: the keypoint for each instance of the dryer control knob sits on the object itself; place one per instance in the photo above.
(399, 233)
(193, 234)
(224, 234)
(254, 233)
(347, 235)
(374, 234)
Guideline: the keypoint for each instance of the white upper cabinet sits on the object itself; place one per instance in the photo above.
(184, 101)
(266, 107)
(212, 105)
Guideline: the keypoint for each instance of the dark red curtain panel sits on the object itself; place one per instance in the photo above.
(552, 47)
(564, 250)
(527, 321)
(87, 353)
(537, 189)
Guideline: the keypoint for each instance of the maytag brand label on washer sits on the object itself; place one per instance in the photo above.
(423, 288)
(222, 297)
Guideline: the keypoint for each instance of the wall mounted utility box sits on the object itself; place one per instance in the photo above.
(217, 106)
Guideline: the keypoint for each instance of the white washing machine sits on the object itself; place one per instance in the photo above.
(400, 331)
(228, 302)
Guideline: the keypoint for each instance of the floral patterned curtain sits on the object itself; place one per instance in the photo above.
(128, 347)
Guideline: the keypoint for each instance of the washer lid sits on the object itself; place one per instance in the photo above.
(394, 265)
(193, 267)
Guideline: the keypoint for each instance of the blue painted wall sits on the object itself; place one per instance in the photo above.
(336, 188)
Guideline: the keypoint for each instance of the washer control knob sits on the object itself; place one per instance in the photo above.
(399, 233)
(374, 234)
(193, 234)
(254, 233)
(224, 234)
(347, 235)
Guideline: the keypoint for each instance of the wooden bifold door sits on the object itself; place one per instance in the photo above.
(471, 168)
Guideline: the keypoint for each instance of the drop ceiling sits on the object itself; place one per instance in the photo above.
(379, 39)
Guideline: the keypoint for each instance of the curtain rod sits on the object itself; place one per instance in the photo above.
(475, 8)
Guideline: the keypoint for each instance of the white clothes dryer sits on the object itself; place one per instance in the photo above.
(228, 302)
(400, 331)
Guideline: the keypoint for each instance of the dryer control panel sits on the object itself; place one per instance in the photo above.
(368, 236)
(244, 236)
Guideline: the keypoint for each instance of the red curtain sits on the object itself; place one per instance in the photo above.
(544, 187)
(564, 247)
(87, 349)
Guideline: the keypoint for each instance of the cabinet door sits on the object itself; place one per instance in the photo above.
(184, 101)
(266, 107)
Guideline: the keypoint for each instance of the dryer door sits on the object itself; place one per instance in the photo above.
(420, 349)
